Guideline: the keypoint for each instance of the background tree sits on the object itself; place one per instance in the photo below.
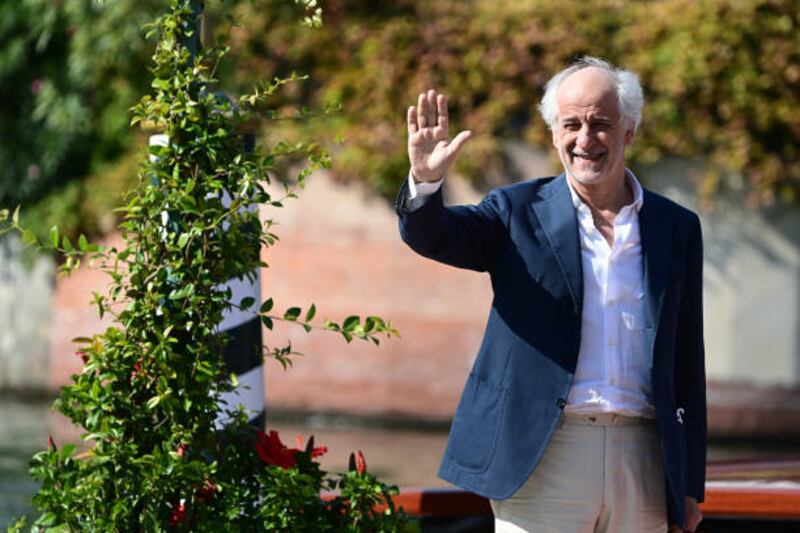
(720, 79)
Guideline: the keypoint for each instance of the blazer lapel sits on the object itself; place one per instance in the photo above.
(556, 214)
(656, 235)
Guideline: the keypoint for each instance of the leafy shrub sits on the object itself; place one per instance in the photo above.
(148, 394)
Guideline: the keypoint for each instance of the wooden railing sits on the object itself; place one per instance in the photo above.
(763, 489)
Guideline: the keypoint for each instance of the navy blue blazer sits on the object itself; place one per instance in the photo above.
(526, 237)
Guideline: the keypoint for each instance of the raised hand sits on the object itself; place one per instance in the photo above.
(430, 150)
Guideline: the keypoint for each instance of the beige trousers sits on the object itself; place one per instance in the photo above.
(599, 474)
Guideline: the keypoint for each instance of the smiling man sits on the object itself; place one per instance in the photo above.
(585, 408)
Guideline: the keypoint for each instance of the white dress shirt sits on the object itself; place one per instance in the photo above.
(613, 371)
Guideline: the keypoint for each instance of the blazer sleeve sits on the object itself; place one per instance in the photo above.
(466, 236)
(690, 365)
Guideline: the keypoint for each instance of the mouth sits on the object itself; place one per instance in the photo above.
(587, 156)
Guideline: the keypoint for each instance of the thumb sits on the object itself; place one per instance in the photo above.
(457, 143)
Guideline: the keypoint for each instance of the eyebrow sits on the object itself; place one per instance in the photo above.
(596, 118)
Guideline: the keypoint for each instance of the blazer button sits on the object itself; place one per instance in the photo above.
(561, 402)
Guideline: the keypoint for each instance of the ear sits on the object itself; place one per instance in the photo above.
(630, 132)
(553, 131)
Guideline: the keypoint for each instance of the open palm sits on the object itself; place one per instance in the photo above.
(430, 150)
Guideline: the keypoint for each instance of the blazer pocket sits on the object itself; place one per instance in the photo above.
(476, 425)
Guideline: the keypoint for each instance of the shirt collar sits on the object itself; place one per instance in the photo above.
(630, 180)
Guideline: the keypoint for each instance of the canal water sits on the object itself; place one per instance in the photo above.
(404, 457)
(23, 432)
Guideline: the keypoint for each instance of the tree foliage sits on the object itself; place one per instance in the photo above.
(69, 71)
(721, 78)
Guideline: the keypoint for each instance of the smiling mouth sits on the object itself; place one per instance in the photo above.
(587, 157)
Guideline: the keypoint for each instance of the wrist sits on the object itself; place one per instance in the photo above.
(426, 179)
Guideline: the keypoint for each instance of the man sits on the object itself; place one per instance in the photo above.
(585, 408)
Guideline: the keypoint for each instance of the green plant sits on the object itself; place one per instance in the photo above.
(69, 71)
(148, 393)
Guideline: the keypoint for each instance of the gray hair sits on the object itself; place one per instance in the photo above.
(629, 91)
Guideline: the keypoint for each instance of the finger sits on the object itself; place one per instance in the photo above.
(455, 145)
(411, 120)
(441, 108)
(431, 108)
(422, 110)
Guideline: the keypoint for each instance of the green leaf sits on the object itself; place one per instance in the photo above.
(160, 83)
(66, 451)
(66, 244)
(28, 237)
(182, 293)
(182, 240)
(266, 306)
(83, 244)
(292, 313)
(15, 216)
(267, 321)
(153, 402)
(350, 323)
(311, 312)
(54, 236)
(247, 302)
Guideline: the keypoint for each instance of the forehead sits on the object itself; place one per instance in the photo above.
(590, 90)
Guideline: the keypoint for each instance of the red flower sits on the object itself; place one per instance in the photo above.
(181, 449)
(315, 451)
(179, 514)
(358, 463)
(319, 451)
(51, 444)
(361, 463)
(82, 355)
(207, 492)
(273, 452)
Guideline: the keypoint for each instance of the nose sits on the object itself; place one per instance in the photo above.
(585, 137)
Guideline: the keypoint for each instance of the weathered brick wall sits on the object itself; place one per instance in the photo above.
(74, 316)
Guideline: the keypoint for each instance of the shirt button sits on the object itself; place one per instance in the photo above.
(561, 402)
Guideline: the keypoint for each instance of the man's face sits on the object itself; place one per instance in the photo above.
(590, 135)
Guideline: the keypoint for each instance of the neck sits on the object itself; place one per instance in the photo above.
(607, 195)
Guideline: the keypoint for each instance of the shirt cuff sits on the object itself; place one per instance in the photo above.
(418, 193)
(423, 189)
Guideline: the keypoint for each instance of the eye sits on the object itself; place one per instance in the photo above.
(571, 126)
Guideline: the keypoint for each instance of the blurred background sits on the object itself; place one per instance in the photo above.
(721, 135)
